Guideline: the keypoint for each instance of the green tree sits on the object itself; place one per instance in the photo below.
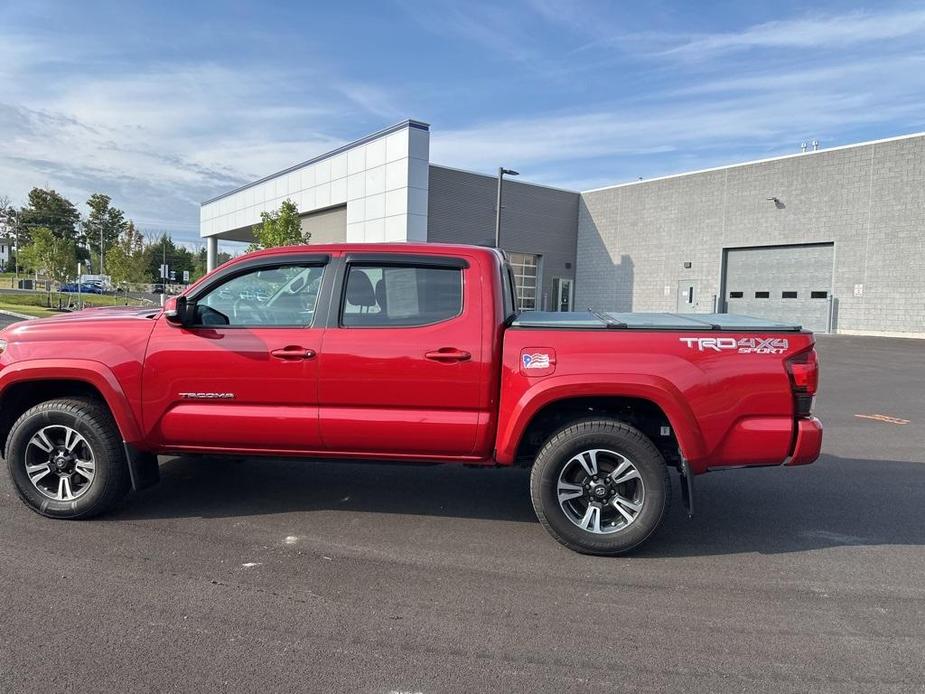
(125, 259)
(200, 262)
(8, 228)
(49, 210)
(279, 228)
(49, 254)
(103, 221)
(178, 258)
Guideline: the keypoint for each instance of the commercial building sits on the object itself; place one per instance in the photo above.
(832, 238)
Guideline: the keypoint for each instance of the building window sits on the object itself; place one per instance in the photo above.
(818, 295)
(762, 295)
(735, 295)
(788, 295)
(526, 271)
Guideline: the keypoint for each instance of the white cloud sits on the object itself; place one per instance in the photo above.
(817, 31)
(716, 125)
(161, 138)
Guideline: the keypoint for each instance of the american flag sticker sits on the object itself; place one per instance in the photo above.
(537, 360)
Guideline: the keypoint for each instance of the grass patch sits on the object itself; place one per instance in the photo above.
(37, 311)
(56, 299)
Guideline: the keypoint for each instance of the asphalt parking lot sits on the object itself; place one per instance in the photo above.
(280, 576)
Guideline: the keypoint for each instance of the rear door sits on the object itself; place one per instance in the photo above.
(245, 375)
(400, 370)
(690, 299)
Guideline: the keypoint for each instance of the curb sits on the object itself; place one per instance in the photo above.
(17, 315)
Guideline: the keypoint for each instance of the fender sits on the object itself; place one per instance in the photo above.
(653, 388)
(92, 372)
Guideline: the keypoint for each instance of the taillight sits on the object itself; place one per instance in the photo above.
(803, 369)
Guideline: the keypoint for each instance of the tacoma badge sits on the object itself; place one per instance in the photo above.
(207, 396)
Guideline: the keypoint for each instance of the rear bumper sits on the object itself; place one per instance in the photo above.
(808, 443)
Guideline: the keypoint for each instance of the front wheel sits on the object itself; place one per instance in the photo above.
(66, 459)
(600, 486)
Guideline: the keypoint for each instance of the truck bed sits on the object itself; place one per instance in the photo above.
(593, 320)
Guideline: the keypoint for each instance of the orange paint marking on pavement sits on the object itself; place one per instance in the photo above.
(883, 418)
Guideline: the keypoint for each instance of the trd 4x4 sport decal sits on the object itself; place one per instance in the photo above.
(743, 345)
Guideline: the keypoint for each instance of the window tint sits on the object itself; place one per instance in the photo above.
(266, 297)
(401, 296)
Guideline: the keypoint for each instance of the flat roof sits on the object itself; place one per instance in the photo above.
(781, 157)
(408, 123)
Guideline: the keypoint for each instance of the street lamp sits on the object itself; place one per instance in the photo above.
(501, 172)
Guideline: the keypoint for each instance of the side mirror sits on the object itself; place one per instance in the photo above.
(179, 311)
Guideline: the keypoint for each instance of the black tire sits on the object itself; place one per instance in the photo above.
(90, 419)
(622, 439)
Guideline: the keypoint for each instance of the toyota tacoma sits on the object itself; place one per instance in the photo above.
(404, 353)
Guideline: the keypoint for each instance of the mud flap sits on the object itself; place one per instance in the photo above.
(687, 487)
(142, 468)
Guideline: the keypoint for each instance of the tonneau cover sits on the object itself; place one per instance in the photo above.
(649, 321)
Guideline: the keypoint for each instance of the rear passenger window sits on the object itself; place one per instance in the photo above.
(383, 296)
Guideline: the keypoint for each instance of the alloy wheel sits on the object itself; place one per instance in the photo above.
(60, 463)
(600, 491)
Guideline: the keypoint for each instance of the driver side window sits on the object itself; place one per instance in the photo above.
(264, 297)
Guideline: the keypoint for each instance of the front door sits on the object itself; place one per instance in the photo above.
(401, 366)
(562, 293)
(245, 375)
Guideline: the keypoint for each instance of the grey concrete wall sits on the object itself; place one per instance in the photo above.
(326, 226)
(535, 219)
(869, 200)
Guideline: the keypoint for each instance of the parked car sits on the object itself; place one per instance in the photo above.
(406, 354)
(85, 288)
(158, 288)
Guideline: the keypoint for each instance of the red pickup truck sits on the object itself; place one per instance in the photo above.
(403, 353)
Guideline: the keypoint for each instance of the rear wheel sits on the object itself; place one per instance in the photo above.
(66, 459)
(600, 487)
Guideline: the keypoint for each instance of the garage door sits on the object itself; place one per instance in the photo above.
(326, 226)
(783, 283)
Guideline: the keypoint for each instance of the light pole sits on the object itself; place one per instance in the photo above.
(501, 172)
(164, 274)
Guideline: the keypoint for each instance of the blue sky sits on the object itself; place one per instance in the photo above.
(165, 104)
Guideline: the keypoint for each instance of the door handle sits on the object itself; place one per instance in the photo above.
(293, 353)
(448, 354)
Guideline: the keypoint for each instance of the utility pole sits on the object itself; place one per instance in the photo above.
(101, 250)
(164, 269)
(501, 172)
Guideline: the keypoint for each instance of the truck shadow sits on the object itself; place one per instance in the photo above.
(834, 503)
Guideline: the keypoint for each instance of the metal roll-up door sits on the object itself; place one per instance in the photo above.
(782, 283)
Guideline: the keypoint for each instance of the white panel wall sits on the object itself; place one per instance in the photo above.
(383, 182)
